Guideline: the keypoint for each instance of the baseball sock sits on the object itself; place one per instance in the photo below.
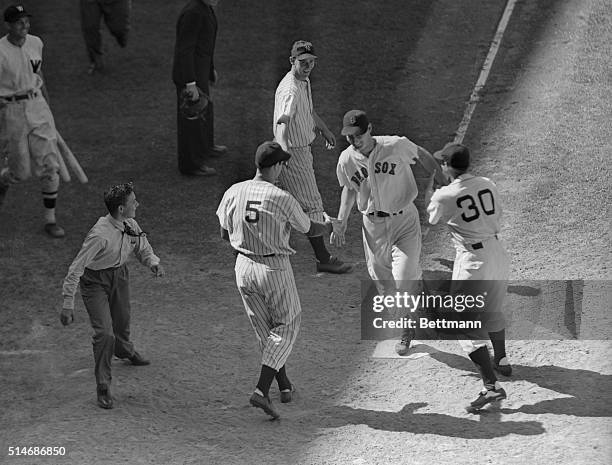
(498, 339)
(265, 379)
(482, 360)
(281, 378)
(318, 245)
(49, 199)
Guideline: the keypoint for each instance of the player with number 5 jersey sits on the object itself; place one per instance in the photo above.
(256, 217)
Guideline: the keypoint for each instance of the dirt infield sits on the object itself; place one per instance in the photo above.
(541, 132)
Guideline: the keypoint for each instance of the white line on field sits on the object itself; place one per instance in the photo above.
(484, 73)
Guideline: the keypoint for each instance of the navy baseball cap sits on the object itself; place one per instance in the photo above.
(302, 49)
(454, 155)
(270, 153)
(355, 122)
(14, 13)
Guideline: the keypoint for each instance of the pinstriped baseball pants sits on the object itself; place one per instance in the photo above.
(269, 294)
(298, 178)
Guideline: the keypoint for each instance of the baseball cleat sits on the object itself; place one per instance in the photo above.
(218, 150)
(334, 265)
(503, 366)
(286, 395)
(265, 404)
(403, 347)
(54, 230)
(105, 400)
(138, 359)
(485, 397)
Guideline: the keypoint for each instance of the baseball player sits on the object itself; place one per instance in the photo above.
(294, 126)
(256, 218)
(376, 171)
(100, 270)
(116, 14)
(471, 207)
(27, 130)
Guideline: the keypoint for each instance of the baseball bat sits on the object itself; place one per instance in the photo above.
(71, 160)
(63, 171)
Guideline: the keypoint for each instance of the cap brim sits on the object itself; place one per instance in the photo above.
(21, 15)
(351, 131)
(305, 55)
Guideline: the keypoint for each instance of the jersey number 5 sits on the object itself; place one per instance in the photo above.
(468, 205)
(252, 215)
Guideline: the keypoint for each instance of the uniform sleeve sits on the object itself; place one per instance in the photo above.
(435, 209)
(407, 149)
(222, 212)
(187, 31)
(296, 216)
(341, 174)
(288, 104)
(92, 245)
(144, 251)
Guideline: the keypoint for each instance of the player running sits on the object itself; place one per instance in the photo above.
(376, 171)
(471, 207)
(256, 218)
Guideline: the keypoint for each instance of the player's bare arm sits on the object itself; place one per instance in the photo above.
(282, 134)
(320, 229)
(430, 164)
(347, 200)
(330, 139)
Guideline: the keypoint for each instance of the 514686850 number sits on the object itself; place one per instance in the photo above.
(36, 450)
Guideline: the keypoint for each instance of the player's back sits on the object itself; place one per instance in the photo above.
(260, 216)
(471, 208)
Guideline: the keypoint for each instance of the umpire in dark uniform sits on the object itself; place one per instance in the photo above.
(193, 68)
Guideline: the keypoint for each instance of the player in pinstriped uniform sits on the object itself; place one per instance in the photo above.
(256, 218)
(294, 125)
(376, 172)
(471, 207)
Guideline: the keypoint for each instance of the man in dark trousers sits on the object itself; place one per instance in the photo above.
(193, 68)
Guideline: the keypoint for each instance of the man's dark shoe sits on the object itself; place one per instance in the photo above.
(334, 265)
(485, 397)
(286, 396)
(138, 360)
(265, 404)
(204, 171)
(55, 231)
(218, 151)
(104, 397)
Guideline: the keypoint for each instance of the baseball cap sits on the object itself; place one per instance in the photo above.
(455, 155)
(15, 12)
(355, 122)
(302, 49)
(270, 153)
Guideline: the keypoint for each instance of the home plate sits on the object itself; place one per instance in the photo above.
(386, 349)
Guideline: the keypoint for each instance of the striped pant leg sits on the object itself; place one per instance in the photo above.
(406, 248)
(268, 290)
(298, 178)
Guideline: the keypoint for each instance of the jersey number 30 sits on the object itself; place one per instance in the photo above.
(471, 211)
(252, 215)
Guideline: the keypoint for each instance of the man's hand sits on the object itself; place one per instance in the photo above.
(66, 316)
(330, 139)
(192, 88)
(337, 236)
(158, 271)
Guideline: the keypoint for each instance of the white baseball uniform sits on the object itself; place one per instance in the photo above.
(28, 132)
(471, 207)
(293, 99)
(386, 190)
(258, 217)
